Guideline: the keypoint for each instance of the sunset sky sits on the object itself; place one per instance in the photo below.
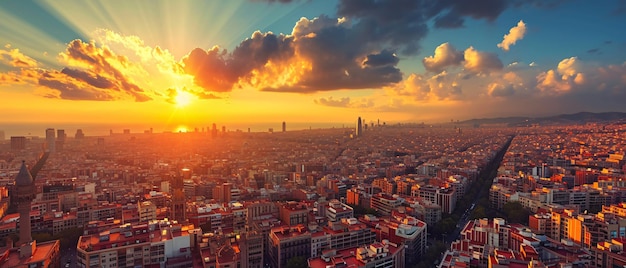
(167, 64)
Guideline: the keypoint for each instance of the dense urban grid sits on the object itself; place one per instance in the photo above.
(377, 195)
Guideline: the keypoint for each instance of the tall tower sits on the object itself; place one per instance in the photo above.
(25, 193)
(284, 126)
(50, 140)
(60, 139)
(178, 204)
(359, 127)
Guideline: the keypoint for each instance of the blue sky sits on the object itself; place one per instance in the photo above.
(334, 59)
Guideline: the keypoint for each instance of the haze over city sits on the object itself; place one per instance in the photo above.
(176, 65)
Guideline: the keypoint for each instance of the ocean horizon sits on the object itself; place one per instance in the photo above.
(91, 129)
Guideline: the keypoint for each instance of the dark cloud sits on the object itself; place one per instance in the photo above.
(620, 9)
(593, 50)
(98, 61)
(399, 24)
(256, 51)
(355, 51)
(449, 20)
(544, 4)
(218, 71)
(209, 69)
(452, 13)
(89, 78)
(384, 58)
(326, 54)
(70, 89)
(277, 1)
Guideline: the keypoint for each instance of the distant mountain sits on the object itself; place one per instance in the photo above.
(563, 119)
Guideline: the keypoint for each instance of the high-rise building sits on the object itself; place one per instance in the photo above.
(18, 143)
(359, 127)
(61, 134)
(284, 126)
(79, 134)
(177, 208)
(60, 139)
(50, 140)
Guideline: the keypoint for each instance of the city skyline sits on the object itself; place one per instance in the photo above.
(237, 63)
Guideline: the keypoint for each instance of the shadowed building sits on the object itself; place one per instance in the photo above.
(18, 143)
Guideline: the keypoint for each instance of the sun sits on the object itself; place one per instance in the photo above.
(183, 98)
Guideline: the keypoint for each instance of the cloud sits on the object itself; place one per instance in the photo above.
(515, 34)
(209, 69)
(576, 77)
(500, 90)
(451, 13)
(445, 55)
(593, 50)
(343, 102)
(101, 66)
(171, 94)
(15, 58)
(66, 87)
(114, 67)
(357, 50)
(568, 67)
(319, 55)
(276, 1)
(477, 61)
(421, 88)
(92, 79)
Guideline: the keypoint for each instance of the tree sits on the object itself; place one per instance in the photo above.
(478, 213)
(297, 262)
(515, 212)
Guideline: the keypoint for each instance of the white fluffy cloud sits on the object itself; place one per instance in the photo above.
(515, 34)
(473, 60)
(445, 55)
(478, 61)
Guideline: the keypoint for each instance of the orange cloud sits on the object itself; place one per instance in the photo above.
(477, 61)
(98, 69)
(515, 34)
(15, 58)
(320, 54)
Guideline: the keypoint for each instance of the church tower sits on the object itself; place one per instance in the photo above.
(25, 193)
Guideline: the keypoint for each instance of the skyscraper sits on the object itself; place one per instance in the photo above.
(284, 126)
(177, 209)
(79, 134)
(50, 140)
(18, 143)
(60, 139)
(359, 127)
